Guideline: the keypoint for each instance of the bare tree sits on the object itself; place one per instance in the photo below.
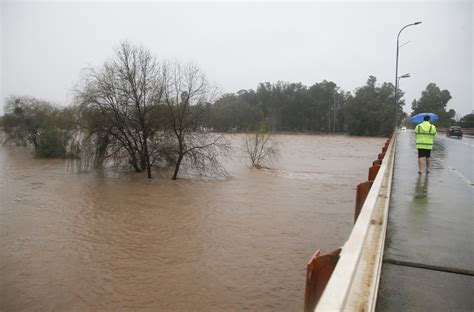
(120, 99)
(186, 92)
(260, 147)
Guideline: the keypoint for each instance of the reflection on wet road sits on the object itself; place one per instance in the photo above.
(442, 198)
(420, 198)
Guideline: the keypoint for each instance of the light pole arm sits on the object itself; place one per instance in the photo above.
(398, 47)
(398, 36)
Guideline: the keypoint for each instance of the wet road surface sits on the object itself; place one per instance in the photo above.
(429, 250)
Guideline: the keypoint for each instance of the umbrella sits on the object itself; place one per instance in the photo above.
(419, 118)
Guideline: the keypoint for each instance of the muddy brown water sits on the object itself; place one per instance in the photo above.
(88, 242)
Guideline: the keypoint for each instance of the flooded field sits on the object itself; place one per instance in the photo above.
(83, 242)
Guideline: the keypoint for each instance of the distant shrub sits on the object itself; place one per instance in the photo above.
(259, 147)
(51, 144)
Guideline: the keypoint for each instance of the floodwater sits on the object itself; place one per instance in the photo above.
(87, 242)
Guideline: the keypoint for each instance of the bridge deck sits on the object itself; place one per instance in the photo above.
(428, 261)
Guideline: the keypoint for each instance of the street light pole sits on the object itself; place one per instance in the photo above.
(396, 72)
(396, 106)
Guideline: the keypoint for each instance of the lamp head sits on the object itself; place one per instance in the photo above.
(416, 23)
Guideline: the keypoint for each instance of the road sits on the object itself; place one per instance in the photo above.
(456, 155)
(429, 250)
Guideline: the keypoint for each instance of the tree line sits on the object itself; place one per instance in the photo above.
(139, 113)
(322, 107)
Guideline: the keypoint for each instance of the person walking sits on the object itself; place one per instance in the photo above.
(425, 133)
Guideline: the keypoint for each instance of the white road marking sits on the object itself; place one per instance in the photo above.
(461, 176)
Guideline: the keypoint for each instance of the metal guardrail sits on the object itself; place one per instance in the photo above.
(347, 278)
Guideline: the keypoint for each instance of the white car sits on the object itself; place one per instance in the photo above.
(404, 129)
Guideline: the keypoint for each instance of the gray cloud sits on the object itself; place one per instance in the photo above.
(44, 45)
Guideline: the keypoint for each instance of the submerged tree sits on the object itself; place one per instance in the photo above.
(260, 148)
(186, 93)
(25, 118)
(120, 99)
(35, 122)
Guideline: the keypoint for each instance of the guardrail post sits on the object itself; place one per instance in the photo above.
(318, 273)
(377, 162)
(362, 191)
(373, 172)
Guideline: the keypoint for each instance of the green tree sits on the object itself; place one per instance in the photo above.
(48, 129)
(326, 107)
(235, 112)
(371, 111)
(434, 100)
(283, 106)
(467, 121)
(52, 144)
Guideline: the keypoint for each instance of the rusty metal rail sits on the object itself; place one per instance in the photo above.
(319, 271)
(347, 278)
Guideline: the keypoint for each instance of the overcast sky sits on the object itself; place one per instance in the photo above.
(45, 44)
